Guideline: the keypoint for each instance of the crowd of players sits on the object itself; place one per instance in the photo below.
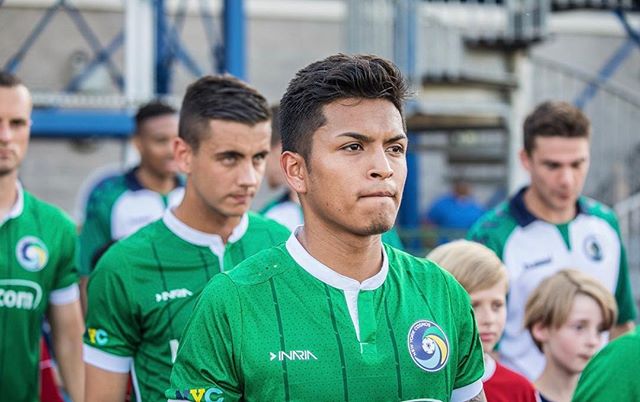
(183, 293)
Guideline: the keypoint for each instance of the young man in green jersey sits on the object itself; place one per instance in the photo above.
(123, 203)
(37, 270)
(144, 287)
(333, 314)
(548, 226)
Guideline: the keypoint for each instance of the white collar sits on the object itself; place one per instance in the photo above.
(327, 275)
(18, 206)
(193, 236)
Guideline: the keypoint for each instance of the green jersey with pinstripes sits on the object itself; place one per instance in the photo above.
(144, 289)
(37, 270)
(284, 327)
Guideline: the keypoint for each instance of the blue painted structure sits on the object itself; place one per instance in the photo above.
(227, 54)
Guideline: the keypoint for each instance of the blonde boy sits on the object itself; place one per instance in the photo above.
(484, 277)
(566, 317)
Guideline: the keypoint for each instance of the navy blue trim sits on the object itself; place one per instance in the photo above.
(131, 181)
(524, 217)
(133, 184)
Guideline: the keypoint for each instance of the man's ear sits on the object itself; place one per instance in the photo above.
(525, 160)
(183, 154)
(295, 171)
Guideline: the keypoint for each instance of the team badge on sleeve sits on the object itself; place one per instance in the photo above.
(428, 345)
(32, 253)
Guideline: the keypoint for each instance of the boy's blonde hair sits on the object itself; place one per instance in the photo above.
(474, 265)
(551, 302)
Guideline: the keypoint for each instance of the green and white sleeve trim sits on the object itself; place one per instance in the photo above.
(106, 361)
(467, 392)
(60, 297)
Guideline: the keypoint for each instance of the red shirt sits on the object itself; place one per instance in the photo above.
(503, 385)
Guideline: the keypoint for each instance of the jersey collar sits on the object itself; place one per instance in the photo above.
(193, 236)
(524, 217)
(18, 206)
(327, 275)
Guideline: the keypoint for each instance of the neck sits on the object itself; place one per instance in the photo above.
(356, 257)
(8, 193)
(293, 196)
(201, 217)
(538, 208)
(556, 384)
(154, 182)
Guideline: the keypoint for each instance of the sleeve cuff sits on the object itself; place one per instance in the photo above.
(66, 295)
(467, 392)
(106, 361)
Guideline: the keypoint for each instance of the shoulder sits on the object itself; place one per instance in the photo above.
(422, 271)
(259, 223)
(108, 188)
(493, 225)
(261, 267)
(135, 247)
(46, 212)
(514, 379)
(599, 210)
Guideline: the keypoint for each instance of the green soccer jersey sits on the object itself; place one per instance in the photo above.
(118, 206)
(612, 374)
(284, 327)
(36, 270)
(144, 289)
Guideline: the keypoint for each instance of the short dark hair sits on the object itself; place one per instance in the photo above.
(9, 80)
(220, 97)
(554, 119)
(276, 137)
(152, 109)
(339, 76)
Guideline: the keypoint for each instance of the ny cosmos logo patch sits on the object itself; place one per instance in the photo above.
(428, 345)
(592, 248)
(32, 253)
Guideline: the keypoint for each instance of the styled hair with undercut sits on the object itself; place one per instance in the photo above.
(219, 97)
(551, 302)
(152, 109)
(9, 80)
(337, 77)
(554, 119)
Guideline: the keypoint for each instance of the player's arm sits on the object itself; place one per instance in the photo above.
(67, 327)
(205, 368)
(470, 365)
(105, 386)
(479, 398)
(112, 330)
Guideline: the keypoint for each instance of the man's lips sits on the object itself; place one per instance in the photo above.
(381, 193)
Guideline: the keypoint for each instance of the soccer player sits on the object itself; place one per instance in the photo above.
(484, 277)
(123, 203)
(548, 226)
(612, 374)
(333, 314)
(144, 287)
(567, 316)
(37, 269)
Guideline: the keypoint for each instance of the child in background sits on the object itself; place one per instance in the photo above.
(567, 315)
(483, 276)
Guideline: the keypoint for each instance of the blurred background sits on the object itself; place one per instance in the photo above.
(476, 67)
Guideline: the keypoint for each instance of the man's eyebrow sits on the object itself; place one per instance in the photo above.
(357, 136)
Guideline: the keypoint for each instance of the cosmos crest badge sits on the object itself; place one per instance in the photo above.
(428, 346)
(32, 253)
